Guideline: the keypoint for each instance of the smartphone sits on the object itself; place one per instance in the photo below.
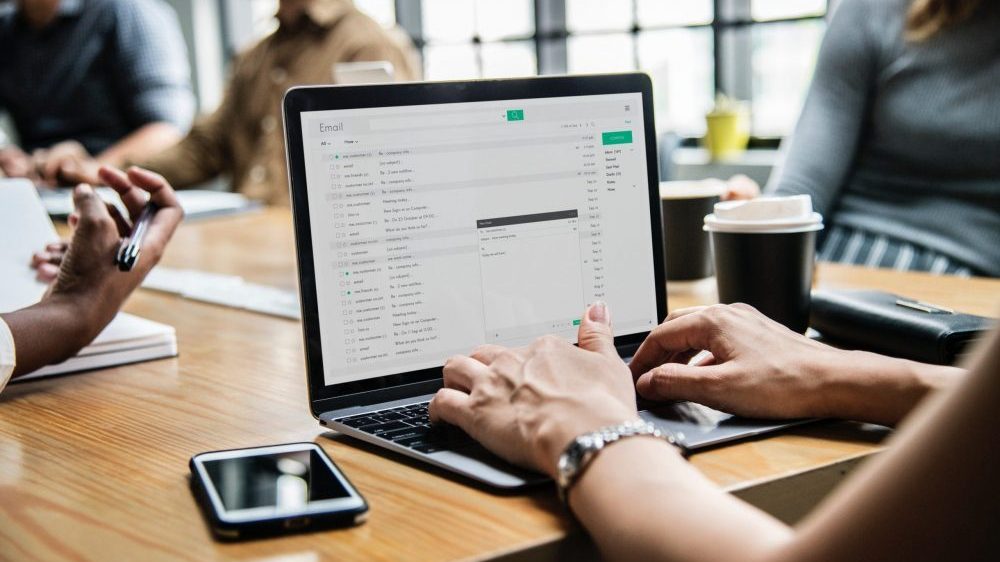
(266, 491)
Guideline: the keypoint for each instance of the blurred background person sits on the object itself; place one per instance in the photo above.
(90, 82)
(898, 141)
(243, 137)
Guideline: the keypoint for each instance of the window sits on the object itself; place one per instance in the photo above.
(477, 38)
(762, 51)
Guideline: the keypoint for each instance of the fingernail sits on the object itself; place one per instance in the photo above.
(599, 312)
(83, 189)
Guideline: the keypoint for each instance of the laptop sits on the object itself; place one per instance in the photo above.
(434, 217)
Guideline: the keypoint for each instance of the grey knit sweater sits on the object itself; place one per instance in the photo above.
(900, 138)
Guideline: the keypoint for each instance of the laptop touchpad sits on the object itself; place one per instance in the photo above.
(695, 425)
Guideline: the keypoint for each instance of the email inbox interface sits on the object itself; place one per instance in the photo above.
(438, 228)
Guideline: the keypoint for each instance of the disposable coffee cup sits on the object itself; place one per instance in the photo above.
(687, 251)
(764, 255)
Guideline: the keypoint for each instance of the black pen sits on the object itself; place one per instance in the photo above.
(128, 252)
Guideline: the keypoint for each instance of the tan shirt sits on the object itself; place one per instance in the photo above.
(243, 138)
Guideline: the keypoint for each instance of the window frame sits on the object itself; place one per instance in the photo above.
(732, 56)
(731, 26)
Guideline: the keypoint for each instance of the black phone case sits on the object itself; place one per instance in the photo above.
(226, 531)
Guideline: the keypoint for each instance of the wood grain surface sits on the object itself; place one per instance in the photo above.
(94, 466)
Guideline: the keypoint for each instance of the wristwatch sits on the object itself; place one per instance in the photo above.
(582, 450)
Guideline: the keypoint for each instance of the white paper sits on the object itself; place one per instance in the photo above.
(25, 228)
(224, 290)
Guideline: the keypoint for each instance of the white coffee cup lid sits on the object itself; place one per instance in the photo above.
(765, 214)
(691, 189)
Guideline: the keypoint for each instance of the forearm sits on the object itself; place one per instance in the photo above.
(141, 143)
(197, 158)
(641, 501)
(50, 332)
(874, 388)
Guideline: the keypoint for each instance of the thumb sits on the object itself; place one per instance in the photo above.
(677, 381)
(88, 206)
(595, 330)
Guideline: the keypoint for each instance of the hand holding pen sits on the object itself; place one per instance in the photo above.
(149, 201)
(89, 286)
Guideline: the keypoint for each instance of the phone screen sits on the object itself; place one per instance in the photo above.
(283, 481)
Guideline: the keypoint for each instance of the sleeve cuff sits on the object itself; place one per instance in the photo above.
(7, 356)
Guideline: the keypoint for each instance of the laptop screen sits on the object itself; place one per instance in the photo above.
(436, 228)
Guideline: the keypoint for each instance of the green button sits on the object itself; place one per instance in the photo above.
(515, 115)
(616, 137)
(576, 322)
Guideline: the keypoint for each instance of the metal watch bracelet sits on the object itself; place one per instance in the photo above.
(582, 450)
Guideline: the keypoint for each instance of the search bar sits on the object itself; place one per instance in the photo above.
(441, 120)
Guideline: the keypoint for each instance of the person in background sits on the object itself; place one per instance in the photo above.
(243, 137)
(89, 289)
(898, 140)
(933, 495)
(90, 82)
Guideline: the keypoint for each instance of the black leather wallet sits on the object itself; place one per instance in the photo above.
(893, 325)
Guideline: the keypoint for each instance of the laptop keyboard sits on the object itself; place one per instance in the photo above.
(410, 426)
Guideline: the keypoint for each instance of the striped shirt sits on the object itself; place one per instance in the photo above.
(852, 246)
(100, 70)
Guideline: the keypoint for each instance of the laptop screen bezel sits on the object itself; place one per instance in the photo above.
(323, 397)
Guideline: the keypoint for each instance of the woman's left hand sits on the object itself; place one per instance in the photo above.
(527, 404)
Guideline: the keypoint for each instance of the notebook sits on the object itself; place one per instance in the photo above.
(127, 339)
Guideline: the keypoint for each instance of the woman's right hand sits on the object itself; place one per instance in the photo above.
(757, 368)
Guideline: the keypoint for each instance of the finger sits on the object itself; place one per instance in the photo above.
(133, 198)
(701, 359)
(159, 190)
(463, 373)
(451, 406)
(509, 362)
(681, 334)
(595, 330)
(169, 213)
(124, 228)
(57, 247)
(38, 158)
(675, 314)
(90, 207)
(39, 258)
(487, 353)
(46, 272)
(676, 381)
(52, 166)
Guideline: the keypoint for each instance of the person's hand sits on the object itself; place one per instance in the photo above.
(14, 163)
(66, 163)
(87, 274)
(527, 404)
(740, 187)
(757, 367)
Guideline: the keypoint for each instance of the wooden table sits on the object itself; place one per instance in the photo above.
(94, 466)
